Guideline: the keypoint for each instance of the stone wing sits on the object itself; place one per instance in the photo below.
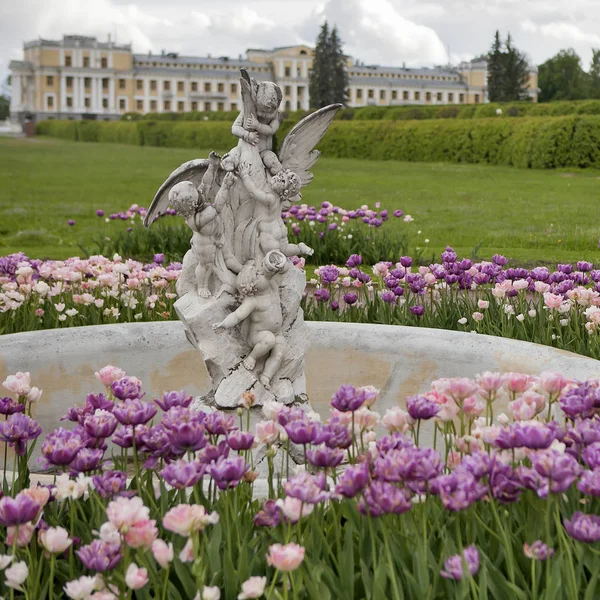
(192, 170)
(297, 152)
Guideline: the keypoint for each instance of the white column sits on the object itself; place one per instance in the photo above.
(281, 68)
(110, 59)
(111, 92)
(294, 97)
(63, 92)
(81, 93)
(93, 97)
(16, 103)
(295, 69)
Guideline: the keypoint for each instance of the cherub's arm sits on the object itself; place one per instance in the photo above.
(223, 193)
(255, 192)
(238, 130)
(205, 217)
(237, 316)
(266, 129)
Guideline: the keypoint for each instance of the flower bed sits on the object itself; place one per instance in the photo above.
(559, 308)
(332, 232)
(500, 505)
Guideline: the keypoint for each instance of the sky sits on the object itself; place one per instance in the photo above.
(387, 32)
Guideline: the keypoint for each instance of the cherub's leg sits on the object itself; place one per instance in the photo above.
(271, 162)
(209, 177)
(206, 261)
(273, 363)
(263, 342)
(233, 264)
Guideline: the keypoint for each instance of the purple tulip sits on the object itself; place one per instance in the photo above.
(336, 434)
(123, 436)
(560, 471)
(127, 388)
(458, 491)
(406, 261)
(322, 295)
(18, 510)
(70, 222)
(306, 487)
(17, 430)
(240, 440)
(217, 423)
(100, 556)
(499, 260)
(61, 446)
(8, 406)
(87, 459)
(187, 435)
(388, 296)
(335, 305)
(110, 483)
(418, 310)
(421, 407)
(479, 464)
(579, 401)
(99, 402)
(537, 551)
(449, 256)
(398, 213)
(381, 497)
(350, 298)
(171, 399)
(102, 424)
(353, 480)
(228, 472)
(590, 483)
(329, 274)
(268, 516)
(183, 473)
(454, 565)
(99, 213)
(591, 455)
(304, 431)
(134, 412)
(324, 457)
(393, 441)
(583, 528)
(583, 265)
(157, 443)
(348, 398)
(210, 453)
(505, 484)
(159, 259)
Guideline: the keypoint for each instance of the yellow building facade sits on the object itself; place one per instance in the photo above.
(79, 77)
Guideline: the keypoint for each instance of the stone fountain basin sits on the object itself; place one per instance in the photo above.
(400, 361)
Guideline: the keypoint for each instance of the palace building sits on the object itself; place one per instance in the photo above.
(79, 77)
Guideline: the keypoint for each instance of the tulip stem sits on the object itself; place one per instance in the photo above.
(51, 584)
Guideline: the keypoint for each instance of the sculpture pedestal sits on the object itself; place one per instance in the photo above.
(223, 353)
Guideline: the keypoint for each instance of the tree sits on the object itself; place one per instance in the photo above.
(4, 108)
(328, 79)
(594, 76)
(562, 78)
(508, 71)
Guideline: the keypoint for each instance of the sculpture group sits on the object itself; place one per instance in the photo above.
(239, 294)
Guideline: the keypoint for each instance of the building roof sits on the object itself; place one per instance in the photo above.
(20, 65)
(76, 41)
(175, 59)
(403, 71)
(406, 82)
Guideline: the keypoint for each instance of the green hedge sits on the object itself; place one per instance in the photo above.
(543, 142)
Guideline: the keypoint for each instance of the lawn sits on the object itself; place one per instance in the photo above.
(528, 215)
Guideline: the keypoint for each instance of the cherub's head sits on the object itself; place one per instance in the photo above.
(273, 263)
(286, 183)
(247, 279)
(184, 198)
(268, 98)
(230, 161)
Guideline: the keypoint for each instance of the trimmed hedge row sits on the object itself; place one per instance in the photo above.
(407, 113)
(572, 141)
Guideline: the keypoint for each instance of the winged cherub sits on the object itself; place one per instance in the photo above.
(262, 307)
(260, 119)
(203, 219)
(272, 232)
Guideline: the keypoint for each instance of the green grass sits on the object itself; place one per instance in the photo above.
(528, 215)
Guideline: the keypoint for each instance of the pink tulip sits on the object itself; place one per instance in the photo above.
(396, 419)
(285, 558)
(267, 432)
(25, 533)
(553, 301)
(185, 519)
(162, 552)
(293, 509)
(489, 382)
(16, 574)
(517, 383)
(253, 588)
(123, 512)
(55, 539)
(187, 553)
(19, 383)
(136, 577)
(141, 534)
(109, 374)
(553, 383)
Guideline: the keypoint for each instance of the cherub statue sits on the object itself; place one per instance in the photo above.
(260, 119)
(203, 219)
(271, 230)
(262, 307)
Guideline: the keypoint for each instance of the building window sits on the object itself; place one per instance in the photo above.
(104, 63)
(234, 106)
(121, 103)
(382, 94)
(153, 105)
(180, 86)
(234, 88)
(450, 97)
(288, 72)
(50, 102)
(288, 105)
(167, 105)
(221, 106)
(87, 102)
(417, 95)
(69, 101)
(359, 94)
(428, 96)
(438, 96)
(69, 82)
(105, 83)
(194, 86)
(405, 95)
(371, 93)
(87, 82)
(207, 104)
(153, 84)
(139, 105)
(476, 98)
(394, 94)
(298, 72)
(220, 87)
(288, 90)
(49, 80)
(139, 84)
(86, 61)
(104, 102)
(207, 87)
(461, 98)
(180, 106)
(194, 106)
(166, 86)
(68, 60)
